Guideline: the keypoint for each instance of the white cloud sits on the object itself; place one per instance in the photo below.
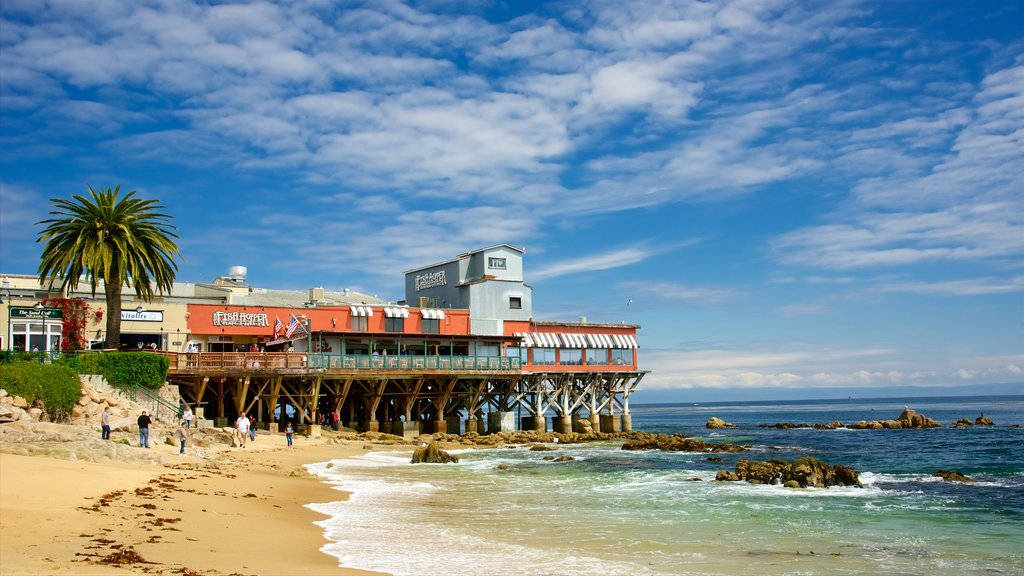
(605, 261)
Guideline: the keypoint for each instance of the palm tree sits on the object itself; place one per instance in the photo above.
(118, 241)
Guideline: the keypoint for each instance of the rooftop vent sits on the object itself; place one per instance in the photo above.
(316, 294)
(237, 274)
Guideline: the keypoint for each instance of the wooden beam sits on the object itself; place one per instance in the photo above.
(256, 396)
(275, 393)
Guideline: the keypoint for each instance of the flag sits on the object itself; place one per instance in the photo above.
(293, 324)
(278, 326)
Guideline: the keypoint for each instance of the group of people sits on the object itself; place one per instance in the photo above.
(244, 427)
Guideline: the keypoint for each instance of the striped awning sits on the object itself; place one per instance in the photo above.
(361, 310)
(569, 340)
(396, 312)
(432, 313)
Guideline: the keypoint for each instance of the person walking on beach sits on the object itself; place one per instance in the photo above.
(288, 431)
(252, 428)
(105, 424)
(187, 416)
(182, 436)
(144, 422)
(241, 429)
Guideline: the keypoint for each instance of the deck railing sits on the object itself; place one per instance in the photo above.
(271, 361)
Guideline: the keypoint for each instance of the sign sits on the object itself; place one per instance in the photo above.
(32, 312)
(431, 280)
(144, 316)
(240, 319)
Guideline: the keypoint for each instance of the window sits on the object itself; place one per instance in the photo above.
(515, 303)
(597, 356)
(430, 326)
(543, 356)
(394, 324)
(570, 357)
(622, 356)
(496, 263)
(359, 323)
(516, 352)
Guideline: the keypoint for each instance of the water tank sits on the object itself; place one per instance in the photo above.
(237, 273)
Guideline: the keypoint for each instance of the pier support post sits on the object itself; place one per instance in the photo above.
(561, 424)
(372, 426)
(535, 424)
(474, 425)
(610, 423)
(501, 422)
(438, 426)
(627, 422)
(454, 426)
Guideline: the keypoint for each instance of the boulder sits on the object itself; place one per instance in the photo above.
(963, 423)
(432, 454)
(715, 422)
(952, 476)
(19, 402)
(676, 443)
(564, 459)
(35, 413)
(803, 472)
(983, 421)
(541, 448)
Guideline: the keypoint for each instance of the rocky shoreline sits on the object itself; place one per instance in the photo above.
(804, 472)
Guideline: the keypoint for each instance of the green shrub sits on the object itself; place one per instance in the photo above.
(125, 370)
(82, 362)
(57, 386)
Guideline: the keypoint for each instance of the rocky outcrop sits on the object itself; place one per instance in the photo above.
(801, 473)
(952, 476)
(792, 425)
(907, 419)
(676, 443)
(716, 422)
(963, 423)
(432, 454)
(983, 421)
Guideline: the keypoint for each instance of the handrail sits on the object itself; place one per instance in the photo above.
(185, 361)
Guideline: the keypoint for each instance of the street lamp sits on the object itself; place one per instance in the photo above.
(6, 285)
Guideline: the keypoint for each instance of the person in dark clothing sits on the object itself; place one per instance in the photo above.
(144, 422)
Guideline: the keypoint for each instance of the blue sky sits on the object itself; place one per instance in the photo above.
(799, 198)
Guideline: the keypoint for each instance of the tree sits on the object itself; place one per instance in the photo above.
(119, 241)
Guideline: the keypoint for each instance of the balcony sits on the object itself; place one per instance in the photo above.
(291, 362)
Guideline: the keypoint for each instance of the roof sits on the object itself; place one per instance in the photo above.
(466, 255)
(299, 298)
(587, 324)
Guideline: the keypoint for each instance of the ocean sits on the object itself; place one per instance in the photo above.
(621, 512)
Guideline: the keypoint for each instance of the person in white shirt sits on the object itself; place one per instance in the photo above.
(242, 429)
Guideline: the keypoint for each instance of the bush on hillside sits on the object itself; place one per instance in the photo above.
(127, 369)
(57, 386)
(83, 362)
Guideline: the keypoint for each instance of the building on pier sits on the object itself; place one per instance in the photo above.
(462, 353)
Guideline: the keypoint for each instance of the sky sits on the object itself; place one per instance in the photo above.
(793, 199)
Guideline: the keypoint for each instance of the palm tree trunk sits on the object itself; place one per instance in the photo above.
(112, 288)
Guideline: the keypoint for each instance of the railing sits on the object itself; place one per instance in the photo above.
(271, 361)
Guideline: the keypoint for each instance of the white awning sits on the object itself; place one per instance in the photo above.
(432, 313)
(526, 337)
(548, 340)
(573, 340)
(361, 310)
(632, 341)
(396, 312)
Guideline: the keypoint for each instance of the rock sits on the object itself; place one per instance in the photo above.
(803, 472)
(432, 454)
(540, 448)
(715, 422)
(35, 413)
(3, 393)
(6, 413)
(693, 479)
(952, 476)
(676, 443)
(19, 402)
(548, 457)
(983, 421)
(503, 466)
(564, 459)
(963, 423)
(726, 476)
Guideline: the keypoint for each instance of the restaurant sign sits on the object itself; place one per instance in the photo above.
(240, 319)
(33, 312)
(431, 280)
(143, 316)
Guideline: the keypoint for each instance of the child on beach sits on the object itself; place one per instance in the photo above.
(252, 428)
(288, 431)
(182, 436)
(187, 417)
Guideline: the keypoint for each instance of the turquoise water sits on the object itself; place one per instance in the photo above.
(618, 512)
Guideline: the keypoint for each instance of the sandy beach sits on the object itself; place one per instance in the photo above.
(239, 512)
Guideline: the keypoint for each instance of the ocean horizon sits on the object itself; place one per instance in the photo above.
(508, 511)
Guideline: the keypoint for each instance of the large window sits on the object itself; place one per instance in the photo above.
(496, 263)
(430, 326)
(516, 352)
(515, 303)
(35, 336)
(394, 324)
(542, 356)
(486, 349)
(359, 323)
(570, 357)
(622, 356)
(597, 356)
